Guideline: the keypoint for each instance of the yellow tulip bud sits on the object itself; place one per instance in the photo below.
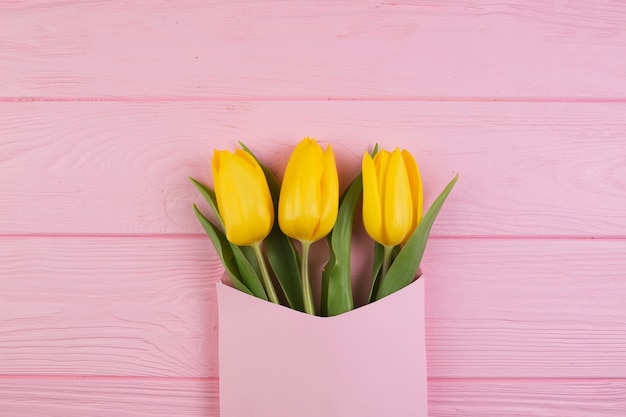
(309, 196)
(392, 196)
(243, 197)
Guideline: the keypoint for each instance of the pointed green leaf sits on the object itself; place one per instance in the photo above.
(281, 254)
(284, 261)
(405, 266)
(326, 280)
(223, 249)
(336, 283)
(209, 196)
(248, 252)
(247, 274)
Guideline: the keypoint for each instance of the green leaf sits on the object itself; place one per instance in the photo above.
(284, 260)
(247, 274)
(403, 269)
(281, 254)
(223, 249)
(209, 196)
(336, 282)
(248, 252)
(326, 280)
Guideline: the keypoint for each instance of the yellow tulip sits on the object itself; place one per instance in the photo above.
(309, 197)
(243, 197)
(392, 196)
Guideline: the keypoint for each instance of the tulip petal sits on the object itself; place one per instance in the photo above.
(216, 164)
(397, 204)
(329, 198)
(299, 206)
(381, 162)
(265, 198)
(417, 192)
(372, 207)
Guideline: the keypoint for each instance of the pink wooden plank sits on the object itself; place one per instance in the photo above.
(323, 49)
(125, 306)
(132, 397)
(496, 308)
(525, 308)
(105, 397)
(523, 398)
(527, 169)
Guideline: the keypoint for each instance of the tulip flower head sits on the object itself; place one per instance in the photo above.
(392, 196)
(308, 203)
(309, 197)
(243, 197)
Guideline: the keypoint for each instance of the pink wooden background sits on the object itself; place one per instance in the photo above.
(107, 303)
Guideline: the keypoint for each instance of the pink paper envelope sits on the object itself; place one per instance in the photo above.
(277, 362)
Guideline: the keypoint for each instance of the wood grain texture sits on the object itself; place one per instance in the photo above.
(137, 397)
(146, 306)
(128, 306)
(526, 169)
(582, 398)
(105, 397)
(323, 49)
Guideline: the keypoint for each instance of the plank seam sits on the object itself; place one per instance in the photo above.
(216, 379)
(202, 236)
(487, 99)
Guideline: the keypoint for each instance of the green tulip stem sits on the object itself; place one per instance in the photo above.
(267, 281)
(307, 293)
(386, 260)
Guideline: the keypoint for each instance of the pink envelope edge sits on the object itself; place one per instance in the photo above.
(279, 362)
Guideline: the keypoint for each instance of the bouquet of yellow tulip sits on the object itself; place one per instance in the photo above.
(255, 249)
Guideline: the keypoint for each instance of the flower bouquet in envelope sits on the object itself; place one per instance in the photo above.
(279, 355)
